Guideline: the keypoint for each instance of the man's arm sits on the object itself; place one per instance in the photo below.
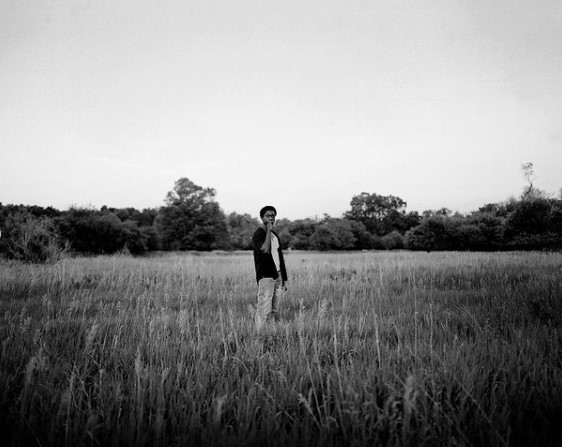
(266, 247)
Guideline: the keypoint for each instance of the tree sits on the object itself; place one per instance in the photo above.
(531, 192)
(399, 221)
(141, 235)
(530, 216)
(393, 241)
(555, 218)
(137, 239)
(465, 236)
(380, 214)
(535, 224)
(241, 228)
(443, 212)
(495, 209)
(431, 234)
(529, 175)
(363, 239)
(93, 231)
(491, 224)
(333, 234)
(282, 229)
(191, 219)
(32, 239)
(300, 231)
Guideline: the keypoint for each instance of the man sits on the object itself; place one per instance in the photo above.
(271, 274)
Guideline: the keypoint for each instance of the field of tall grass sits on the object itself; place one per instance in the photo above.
(396, 348)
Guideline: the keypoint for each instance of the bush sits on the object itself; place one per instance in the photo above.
(32, 239)
(301, 232)
(393, 241)
(535, 224)
(99, 232)
(333, 234)
(530, 241)
(529, 216)
(466, 236)
(430, 234)
(491, 228)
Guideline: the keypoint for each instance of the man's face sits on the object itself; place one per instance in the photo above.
(269, 216)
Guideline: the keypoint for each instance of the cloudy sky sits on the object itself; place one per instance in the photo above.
(298, 103)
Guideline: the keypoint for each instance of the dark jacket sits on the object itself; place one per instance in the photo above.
(264, 263)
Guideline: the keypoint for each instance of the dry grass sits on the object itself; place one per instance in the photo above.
(372, 348)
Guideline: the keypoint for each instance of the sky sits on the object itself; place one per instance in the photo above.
(296, 103)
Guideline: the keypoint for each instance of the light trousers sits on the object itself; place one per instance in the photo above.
(268, 300)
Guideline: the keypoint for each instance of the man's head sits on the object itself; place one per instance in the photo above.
(268, 214)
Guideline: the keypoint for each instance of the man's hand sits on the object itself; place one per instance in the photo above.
(266, 247)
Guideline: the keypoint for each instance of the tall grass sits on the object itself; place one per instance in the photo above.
(372, 348)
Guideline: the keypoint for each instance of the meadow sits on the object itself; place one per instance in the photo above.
(373, 348)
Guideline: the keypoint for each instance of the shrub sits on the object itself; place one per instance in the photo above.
(430, 234)
(32, 239)
(393, 241)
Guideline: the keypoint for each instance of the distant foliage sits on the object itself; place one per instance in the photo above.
(91, 231)
(53, 233)
(393, 241)
(381, 214)
(333, 234)
(430, 234)
(241, 228)
(94, 231)
(191, 219)
(282, 229)
(300, 232)
(491, 229)
(533, 216)
(533, 224)
(32, 239)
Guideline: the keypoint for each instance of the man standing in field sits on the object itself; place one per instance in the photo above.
(271, 274)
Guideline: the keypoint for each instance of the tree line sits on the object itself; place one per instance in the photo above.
(191, 219)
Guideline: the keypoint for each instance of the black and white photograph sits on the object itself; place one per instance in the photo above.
(281, 223)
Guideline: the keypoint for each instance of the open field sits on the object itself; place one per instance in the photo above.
(391, 348)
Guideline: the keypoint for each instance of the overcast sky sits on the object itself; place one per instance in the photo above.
(301, 104)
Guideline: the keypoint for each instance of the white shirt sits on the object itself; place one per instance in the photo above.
(275, 251)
